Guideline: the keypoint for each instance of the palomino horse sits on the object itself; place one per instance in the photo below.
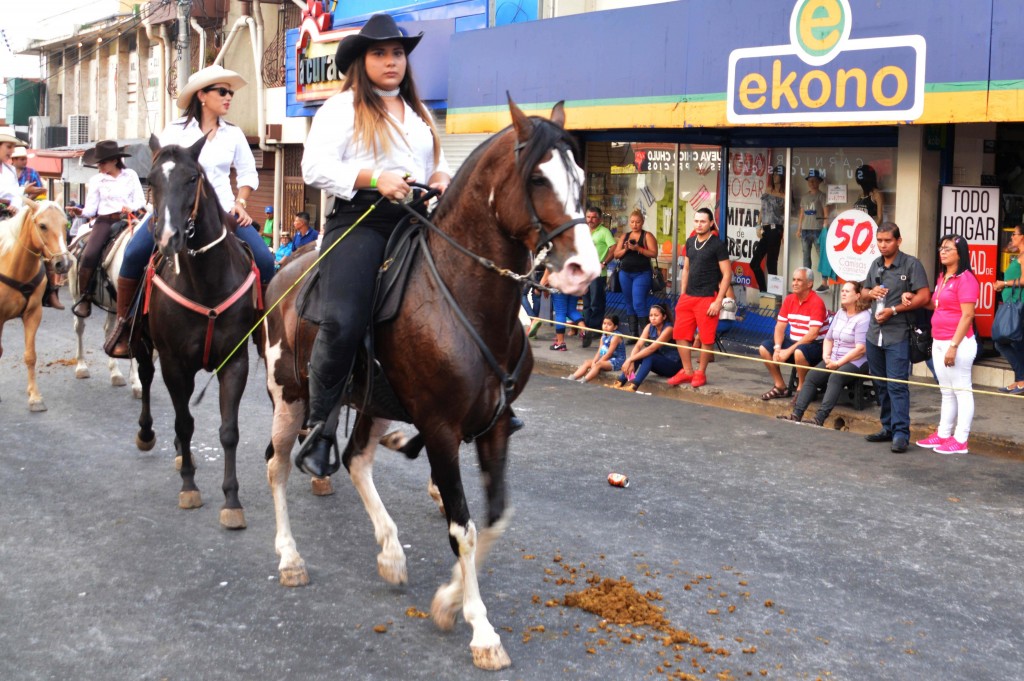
(35, 231)
(201, 301)
(455, 354)
(105, 298)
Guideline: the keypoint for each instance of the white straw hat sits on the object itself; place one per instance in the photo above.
(211, 75)
(7, 135)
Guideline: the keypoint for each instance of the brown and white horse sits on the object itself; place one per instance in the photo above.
(34, 232)
(456, 354)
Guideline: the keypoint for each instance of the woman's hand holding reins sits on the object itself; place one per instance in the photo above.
(393, 185)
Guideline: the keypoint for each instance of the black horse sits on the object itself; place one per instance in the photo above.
(455, 354)
(200, 301)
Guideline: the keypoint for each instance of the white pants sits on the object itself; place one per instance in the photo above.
(957, 405)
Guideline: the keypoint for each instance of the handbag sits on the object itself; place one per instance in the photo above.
(920, 336)
(657, 279)
(613, 279)
(1007, 327)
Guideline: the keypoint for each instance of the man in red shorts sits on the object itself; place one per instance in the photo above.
(704, 281)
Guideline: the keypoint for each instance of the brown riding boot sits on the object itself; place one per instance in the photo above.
(52, 287)
(118, 344)
(83, 308)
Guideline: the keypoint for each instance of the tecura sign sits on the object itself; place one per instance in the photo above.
(823, 75)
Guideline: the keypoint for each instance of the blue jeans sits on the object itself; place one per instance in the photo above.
(1014, 354)
(594, 303)
(564, 307)
(808, 240)
(661, 364)
(635, 287)
(892, 361)
(140, 248)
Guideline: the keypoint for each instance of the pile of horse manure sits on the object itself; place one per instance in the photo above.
(618, 602)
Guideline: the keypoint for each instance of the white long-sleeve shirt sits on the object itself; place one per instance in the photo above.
(332, 159)
(10, 190)
(227, 149)
(108, 194)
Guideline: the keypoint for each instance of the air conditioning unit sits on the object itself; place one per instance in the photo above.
(78, 129)
(54, 136)
(36, 126)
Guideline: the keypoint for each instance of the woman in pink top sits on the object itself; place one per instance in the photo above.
(954, 346)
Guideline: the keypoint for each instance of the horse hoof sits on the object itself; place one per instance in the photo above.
(118, 381)
(294, 576)
(321, 487)
(177, 463)
(137, 393)
(144, 445)
(490, 658)
(392, 570)
(443, 609)
(190, 499)
(82, 372)
(232, 518)
(36, 405)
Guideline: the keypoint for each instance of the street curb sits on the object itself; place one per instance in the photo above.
(842, 418)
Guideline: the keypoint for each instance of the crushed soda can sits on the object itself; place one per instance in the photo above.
(618, 480)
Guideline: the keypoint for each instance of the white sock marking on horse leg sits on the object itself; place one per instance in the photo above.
(285, 427)
(473, 608)
(391, 559)
(489, 535)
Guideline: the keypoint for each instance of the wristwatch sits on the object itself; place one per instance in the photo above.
(894, 312)
(242, 202)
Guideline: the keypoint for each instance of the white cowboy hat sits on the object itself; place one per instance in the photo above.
(21, 152)
(7, 135)
(203, 78)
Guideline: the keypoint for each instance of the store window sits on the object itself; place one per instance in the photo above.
(781, 201)
(667, 182)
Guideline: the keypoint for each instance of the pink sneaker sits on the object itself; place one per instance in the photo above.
(951, 446)
(699, 379)
(932, 441)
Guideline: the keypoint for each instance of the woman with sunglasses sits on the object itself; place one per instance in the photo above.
(366, 142)
(206, 99)
(954, 346)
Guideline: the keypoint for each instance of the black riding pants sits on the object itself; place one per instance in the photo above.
(98, 237)
(348, 277)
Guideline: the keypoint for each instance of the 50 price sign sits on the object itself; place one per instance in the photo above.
(850, 244)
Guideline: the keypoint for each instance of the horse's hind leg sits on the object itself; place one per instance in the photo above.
(464, 588)
(358, 460)
(31, 321)
(116, 377)
(232, 384)
(81, 367)
(133, 378)
(180, 385)
(288, 417)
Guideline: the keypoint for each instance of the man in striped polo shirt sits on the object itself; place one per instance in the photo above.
(805, 313)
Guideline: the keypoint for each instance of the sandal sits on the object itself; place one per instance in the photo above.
(776, 393)
(789, 417)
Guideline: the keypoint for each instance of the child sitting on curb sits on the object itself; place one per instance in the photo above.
(610, 354)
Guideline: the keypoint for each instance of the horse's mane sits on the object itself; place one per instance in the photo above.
(544, 137)
(10, 229)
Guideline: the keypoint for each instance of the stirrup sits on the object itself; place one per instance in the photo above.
(315, 454)
(82, 300)
(121, 332)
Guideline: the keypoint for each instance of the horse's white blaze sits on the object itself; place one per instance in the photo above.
(168, 231)
(582, 267)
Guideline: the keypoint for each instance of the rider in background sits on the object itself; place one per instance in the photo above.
(365, 142)
(206, 100)
(111, 191)
(12, 198)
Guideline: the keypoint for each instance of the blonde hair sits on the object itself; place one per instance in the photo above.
(374, 128)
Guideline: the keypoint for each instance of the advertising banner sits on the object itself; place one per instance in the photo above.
(850, 244)
(748, 171)
(973, 213)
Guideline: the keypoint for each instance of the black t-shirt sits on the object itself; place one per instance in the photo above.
(704, 275)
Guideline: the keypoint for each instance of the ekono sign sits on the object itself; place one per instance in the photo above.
(824, 76)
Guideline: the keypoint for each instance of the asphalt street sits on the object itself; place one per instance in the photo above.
(794, 553)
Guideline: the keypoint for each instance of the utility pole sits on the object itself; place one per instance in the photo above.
(184, 49)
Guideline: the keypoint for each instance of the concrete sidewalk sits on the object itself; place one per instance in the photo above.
(737, 383)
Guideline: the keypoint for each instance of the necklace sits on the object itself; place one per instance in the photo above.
(385, 93)
(698, 244)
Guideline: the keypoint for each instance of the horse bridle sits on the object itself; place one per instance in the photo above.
(44, 253)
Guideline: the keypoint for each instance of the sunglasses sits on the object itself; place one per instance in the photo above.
(222, 91)
(946, 249)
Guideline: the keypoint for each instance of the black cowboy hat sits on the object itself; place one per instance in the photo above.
(103, 151)
(379, 28)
